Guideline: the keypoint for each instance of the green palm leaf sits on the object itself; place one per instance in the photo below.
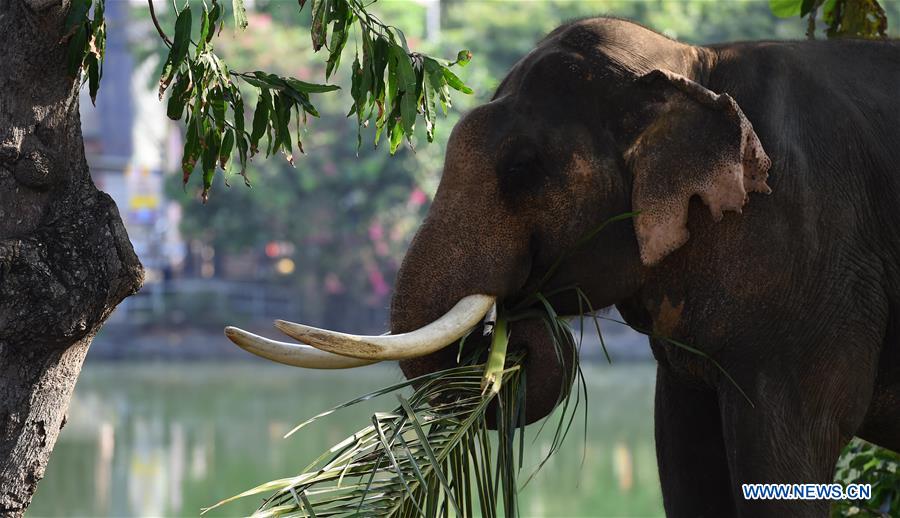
(433, 455)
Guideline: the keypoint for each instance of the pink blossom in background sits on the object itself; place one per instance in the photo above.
(259, 20)
(398, 232)
(376, 232)
(417, 197)
(329, 168)
(333, 284)
(376, 279)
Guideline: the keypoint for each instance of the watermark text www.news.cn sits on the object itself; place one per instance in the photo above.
(806, 491)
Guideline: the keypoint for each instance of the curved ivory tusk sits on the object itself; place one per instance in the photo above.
(428, 339)
(297, 355)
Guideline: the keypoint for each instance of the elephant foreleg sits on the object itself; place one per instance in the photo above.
(690, 452)
(796, 429)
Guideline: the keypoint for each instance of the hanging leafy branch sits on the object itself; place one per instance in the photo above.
(391, 85)
(842, 18)
(86, 39)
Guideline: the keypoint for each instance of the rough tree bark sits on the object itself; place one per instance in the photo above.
(65, 259)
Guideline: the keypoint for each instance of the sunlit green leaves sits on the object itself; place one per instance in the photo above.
(178, 51)
(855, 19)
(843, 18)
(239, 13)
(791, 8)
(206, 94)
(865, 463)
(391, 86)
(86, 40)
(413, 85)
(785, 8)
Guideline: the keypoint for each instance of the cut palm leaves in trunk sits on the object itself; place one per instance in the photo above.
(433, 454)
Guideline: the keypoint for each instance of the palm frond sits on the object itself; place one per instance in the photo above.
(431, 455)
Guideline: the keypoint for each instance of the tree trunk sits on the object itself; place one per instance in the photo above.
(65, 259)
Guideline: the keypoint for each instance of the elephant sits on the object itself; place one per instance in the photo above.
(766, 234)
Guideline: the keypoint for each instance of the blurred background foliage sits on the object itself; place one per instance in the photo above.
(347, 217)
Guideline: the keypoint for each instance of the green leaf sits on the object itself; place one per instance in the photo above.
(405, 87)
(93, 69)
(207, 30)
(210, 155)
(356, 91)
(435, 73)
(319, 29)
(380, 57)
(165, 78)
(98, 28)
(214, 14)
(237, 107)
(77, 15)
(342, 16)
(179, 50)
(239, 13)
(217, 103)
(428, 108)
(310, 88)
(455, 82)
(260, 120)
(408, 103)
(281, 119)
(76, 50)
(179, 96)
(396, 137)
(785, 8)
(191, 150)
(182, 40)
(493, 370)
(242, 156)
(226, 148)
(392, 95)
(828, 8)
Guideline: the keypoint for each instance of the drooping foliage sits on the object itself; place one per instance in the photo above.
(392, 86)
(841, 18)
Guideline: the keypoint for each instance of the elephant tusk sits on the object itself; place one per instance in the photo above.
(297, 355)
(435, 336)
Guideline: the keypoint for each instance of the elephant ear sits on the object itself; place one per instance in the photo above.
(693, 142)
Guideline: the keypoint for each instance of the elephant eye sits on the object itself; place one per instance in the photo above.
(519, 162)
(520, 172)
(517, 168)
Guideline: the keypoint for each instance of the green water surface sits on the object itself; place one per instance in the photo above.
(165, 439)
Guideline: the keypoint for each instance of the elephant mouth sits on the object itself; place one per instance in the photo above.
(549, 363)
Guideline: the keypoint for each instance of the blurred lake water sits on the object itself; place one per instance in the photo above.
(165, 439)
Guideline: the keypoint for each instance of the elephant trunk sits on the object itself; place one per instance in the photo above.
(439, 269)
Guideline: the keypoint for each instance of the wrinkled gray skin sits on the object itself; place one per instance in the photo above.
(796, 296)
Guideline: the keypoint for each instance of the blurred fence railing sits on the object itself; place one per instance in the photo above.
(196, 300)
(209, 304)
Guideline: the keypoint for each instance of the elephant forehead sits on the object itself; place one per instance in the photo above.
(478, 131)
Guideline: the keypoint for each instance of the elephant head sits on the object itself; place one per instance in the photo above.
(604, 117)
